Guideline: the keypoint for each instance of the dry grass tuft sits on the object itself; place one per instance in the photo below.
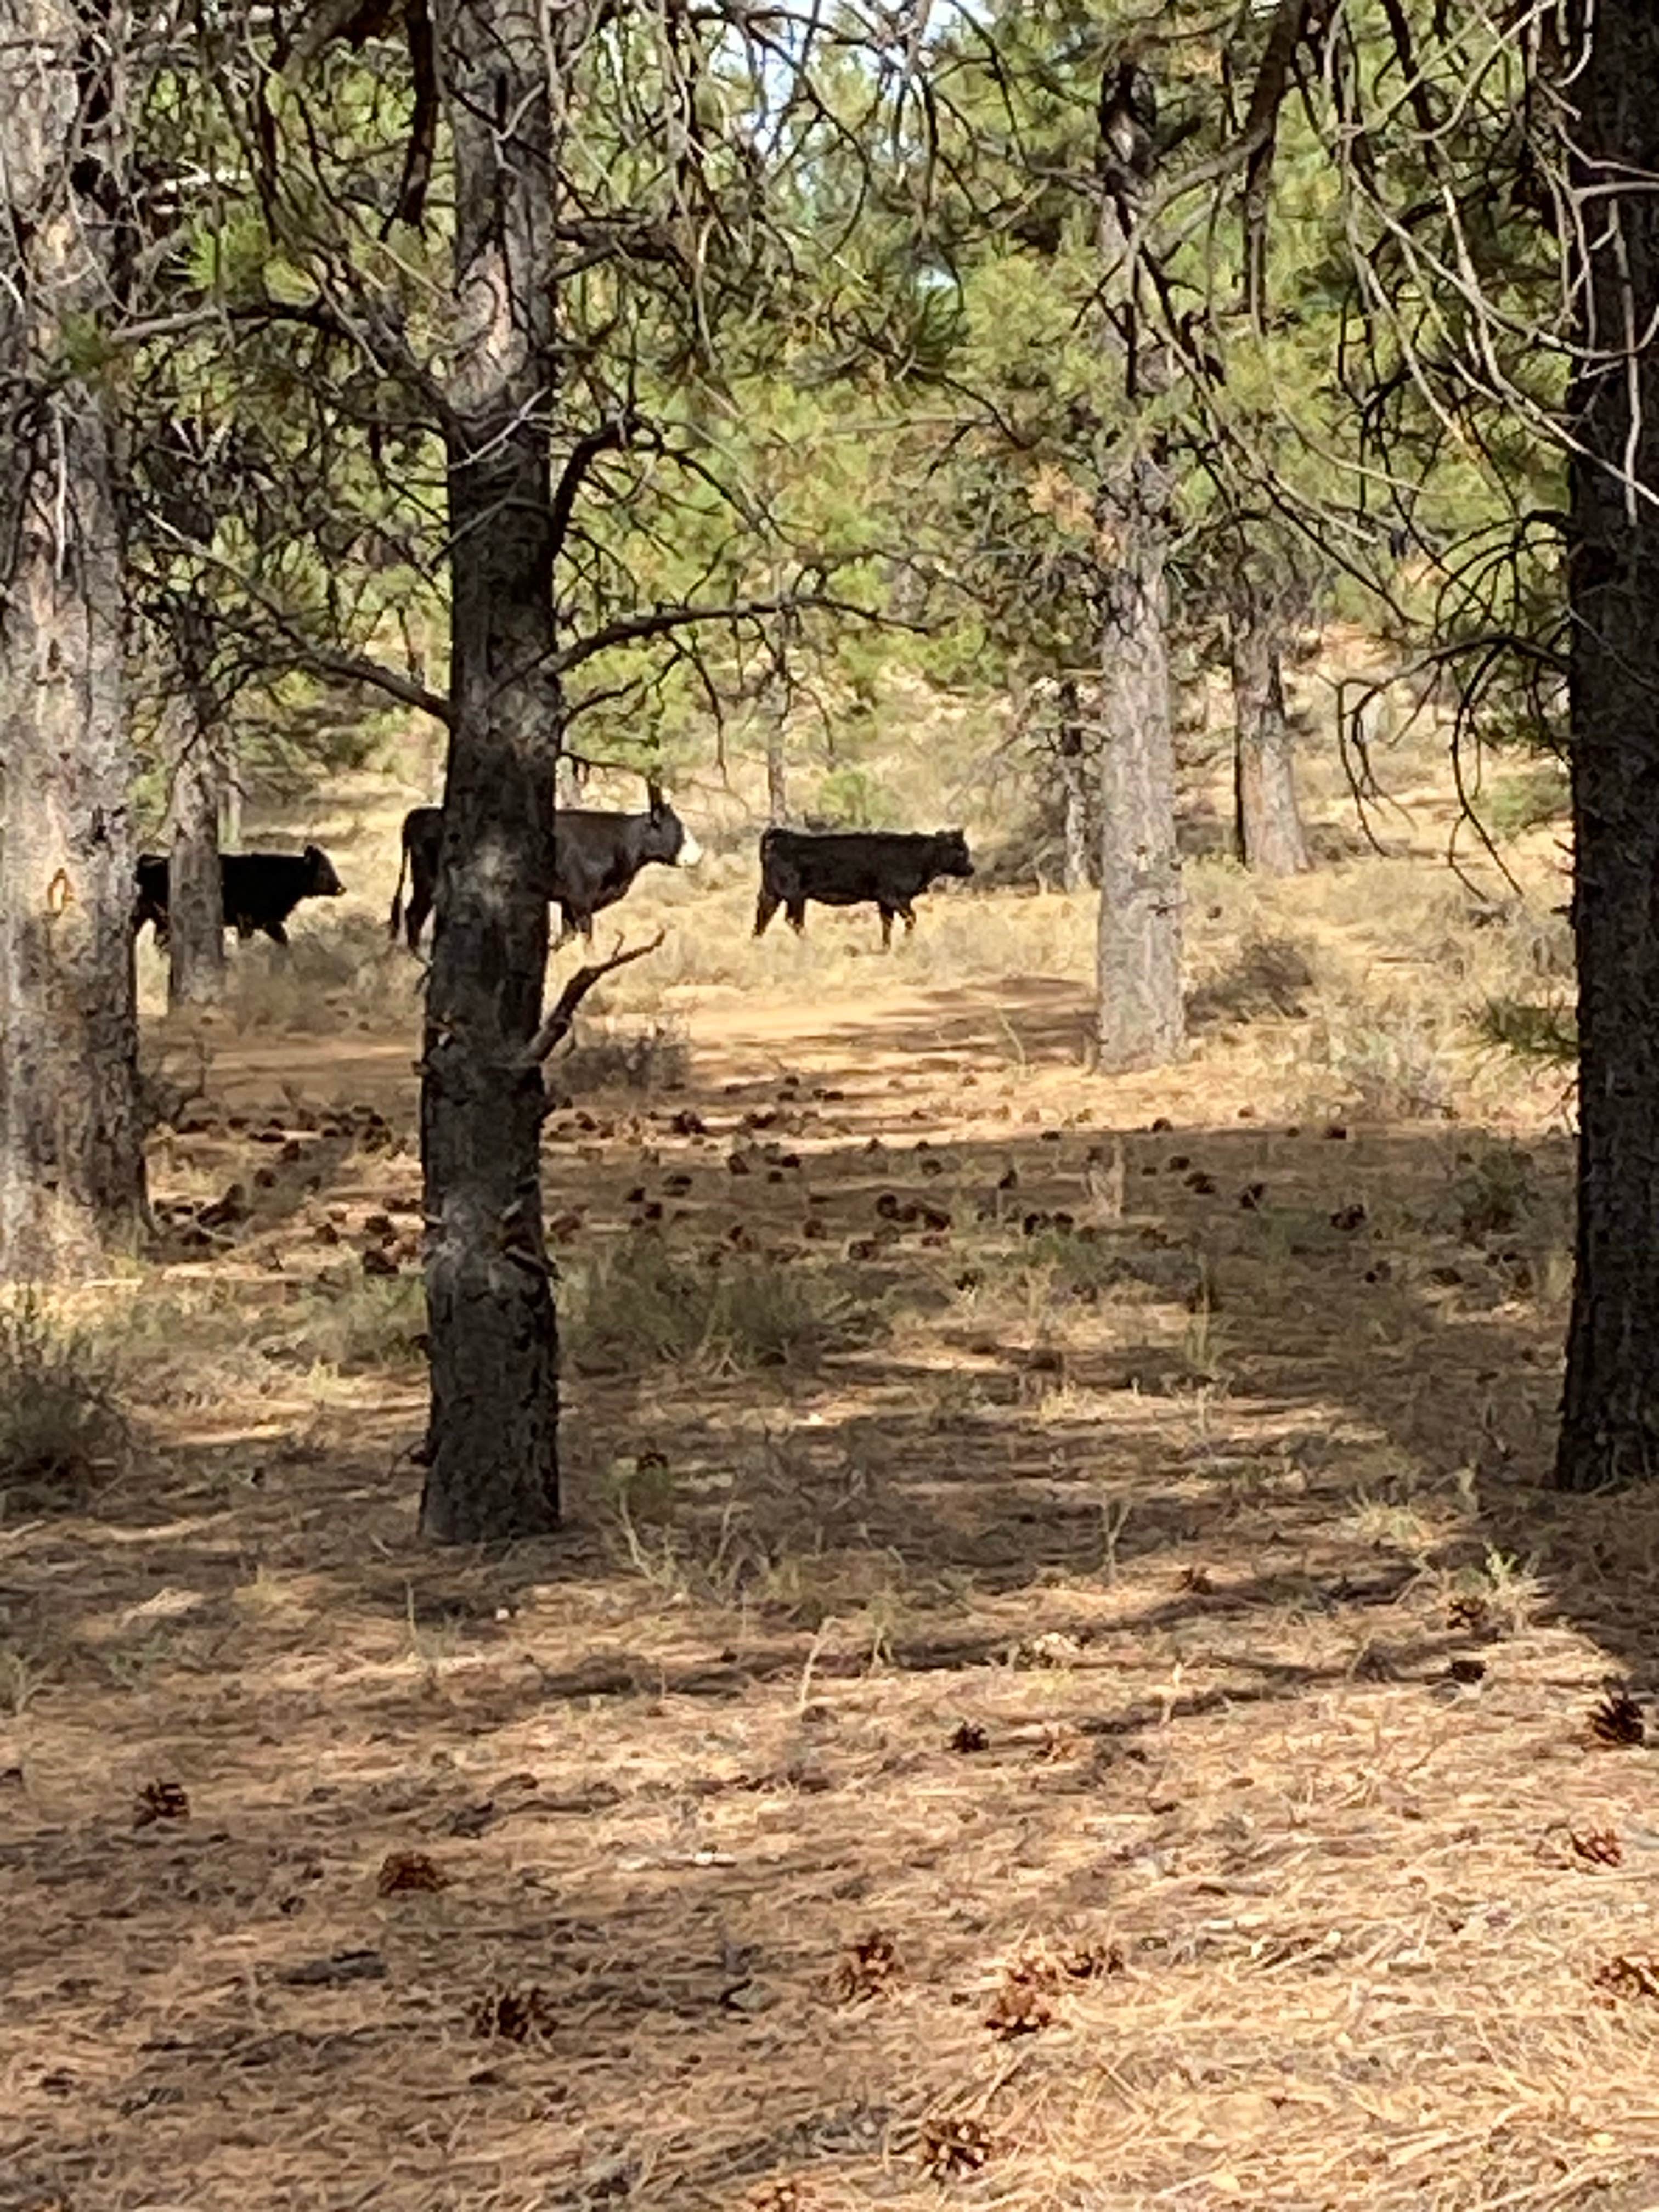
(63, 1431)
(335, 975)
(652, 1056)
(639, 1303)
(1271, 975)
(362, 1321)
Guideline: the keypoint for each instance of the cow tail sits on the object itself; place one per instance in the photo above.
(396, 921)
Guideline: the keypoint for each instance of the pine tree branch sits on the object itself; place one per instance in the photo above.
(656, 622)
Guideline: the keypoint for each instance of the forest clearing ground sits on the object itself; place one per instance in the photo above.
(1153, 1625)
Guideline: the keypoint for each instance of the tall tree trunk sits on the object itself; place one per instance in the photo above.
(492, 1467)
(1139, 1017)
(1610, 1409)
(777, 773)
(1073, 788)
(1266, 822)
(195, 912)
(71, 1153)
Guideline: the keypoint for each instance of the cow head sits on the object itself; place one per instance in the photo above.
(667, 838)
(321, 882)
(950, 853)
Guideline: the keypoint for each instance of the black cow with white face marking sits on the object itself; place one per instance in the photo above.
(260, 890)
(884, 868)
(596, 857)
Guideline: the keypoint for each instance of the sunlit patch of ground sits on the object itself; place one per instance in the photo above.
(1061, 1686)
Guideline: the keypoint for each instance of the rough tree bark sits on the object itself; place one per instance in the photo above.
(1139, 1019)
(492, 1447)
(1073, 788)
(71, 1154)
(1610, 1408)
(1266, 822)
(195, 914)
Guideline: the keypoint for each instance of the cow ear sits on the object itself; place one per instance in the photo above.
(653, 794)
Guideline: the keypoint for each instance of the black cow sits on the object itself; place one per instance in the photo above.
(260, 890)
(596, 857)
(886, 867)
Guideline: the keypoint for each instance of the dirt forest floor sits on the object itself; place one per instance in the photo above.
(1061, 1688)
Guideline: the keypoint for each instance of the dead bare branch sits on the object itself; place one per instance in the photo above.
(557, 1027)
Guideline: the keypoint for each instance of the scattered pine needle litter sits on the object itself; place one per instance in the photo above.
(1314, 1938)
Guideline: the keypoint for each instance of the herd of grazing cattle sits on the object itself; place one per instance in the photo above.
(595, 860)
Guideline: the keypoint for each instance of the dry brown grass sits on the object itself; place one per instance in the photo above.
(1046, 1700)
(63, 1433)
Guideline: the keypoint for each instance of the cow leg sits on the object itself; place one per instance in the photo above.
(275, 932)
(887, 929)
(244, 927)
(765, 907)
(909, 913)
(796, 910)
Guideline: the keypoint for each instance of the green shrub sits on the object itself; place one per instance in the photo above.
(1531, 1029)
(853, 799)
(1529, 800)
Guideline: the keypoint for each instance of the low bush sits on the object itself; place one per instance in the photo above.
(636, 1303)
(378, 1321)
(1528, 800)
(63, 1431)
(656, 1057)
